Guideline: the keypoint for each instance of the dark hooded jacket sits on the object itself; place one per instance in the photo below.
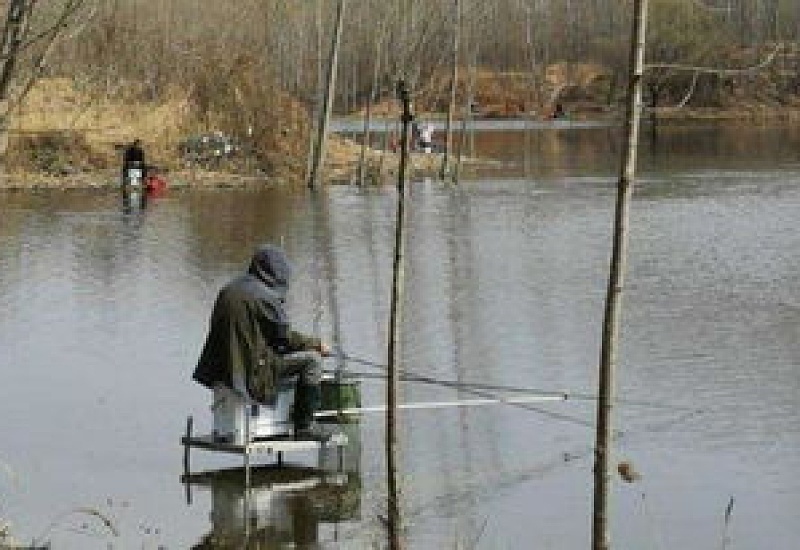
(249, 328)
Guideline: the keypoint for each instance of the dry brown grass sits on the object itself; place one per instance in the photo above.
(88, 128)
(380, 167)
(64, 137)
(509, 93)
(63, 130)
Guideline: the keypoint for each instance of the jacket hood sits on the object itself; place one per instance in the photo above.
(271, 265)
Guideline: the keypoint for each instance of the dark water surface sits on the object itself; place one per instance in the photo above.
(103, 311)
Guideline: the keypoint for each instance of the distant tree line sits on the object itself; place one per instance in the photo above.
(239, 60)
(209, 47)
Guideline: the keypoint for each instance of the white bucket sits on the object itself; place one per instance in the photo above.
(231, 412)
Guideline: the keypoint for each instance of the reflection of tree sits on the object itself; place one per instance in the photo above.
(109, 247)
(75, 227)
(227, 224)
(551, 151)
(679, 33)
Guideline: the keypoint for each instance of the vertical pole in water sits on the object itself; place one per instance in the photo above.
(395, 517)
(187, 446)
(186, 464)
(611, 321)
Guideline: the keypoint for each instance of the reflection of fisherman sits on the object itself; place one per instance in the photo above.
(250, 342)
(133, 199)
(133, 166)
(282, 508)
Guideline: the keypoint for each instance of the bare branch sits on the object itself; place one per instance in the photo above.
(682, 103)
(16, 26)
(69, 10)
(717, 9)
(710, 70)
(39, 63)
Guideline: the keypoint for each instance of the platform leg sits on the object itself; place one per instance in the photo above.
(247, 446)
(187, 446)
(186, 459)
(247, 466)
(280, 458)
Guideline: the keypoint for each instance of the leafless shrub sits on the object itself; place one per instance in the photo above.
(52, 152)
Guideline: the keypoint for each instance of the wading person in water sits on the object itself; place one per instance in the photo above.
(133, 157)
(250, 341)
(426, 138)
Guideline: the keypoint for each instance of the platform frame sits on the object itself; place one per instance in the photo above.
(276, 445)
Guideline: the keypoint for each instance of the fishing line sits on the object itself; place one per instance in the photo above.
(565, 395)
(490, 485)
(479, 486)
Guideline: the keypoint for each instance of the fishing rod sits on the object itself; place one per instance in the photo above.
(514, 402)
(440, 404)
(461, 385)
(469, 385)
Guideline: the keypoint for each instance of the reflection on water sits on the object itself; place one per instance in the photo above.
(597, 150)
(283, 506)
(134, 199)
(103, 311)
(286, 507)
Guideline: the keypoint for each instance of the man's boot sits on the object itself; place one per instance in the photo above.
(307, 400)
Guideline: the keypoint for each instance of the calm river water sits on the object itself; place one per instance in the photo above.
(103, 311)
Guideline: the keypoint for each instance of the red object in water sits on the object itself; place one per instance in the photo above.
(156, 185)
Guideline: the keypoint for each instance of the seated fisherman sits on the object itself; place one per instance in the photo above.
(250, 339)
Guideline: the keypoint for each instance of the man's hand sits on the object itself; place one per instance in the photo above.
(324, 349)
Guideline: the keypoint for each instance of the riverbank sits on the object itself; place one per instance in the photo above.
(341, 167)
(344, 155)
(68, 137)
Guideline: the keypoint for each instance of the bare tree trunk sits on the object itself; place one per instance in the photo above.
(373, 94)
(395, 333)
(317, 92)
(466, 121)
(16, 29)
(451, 107)
(16, 22)
(463, 136)
(365, 135)
(325, 115)
(611, 321)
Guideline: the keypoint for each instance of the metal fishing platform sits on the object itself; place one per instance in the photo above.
(270, 445)
(248, 429)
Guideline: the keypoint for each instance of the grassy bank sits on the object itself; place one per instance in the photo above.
(64, 137)
(68, 137)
